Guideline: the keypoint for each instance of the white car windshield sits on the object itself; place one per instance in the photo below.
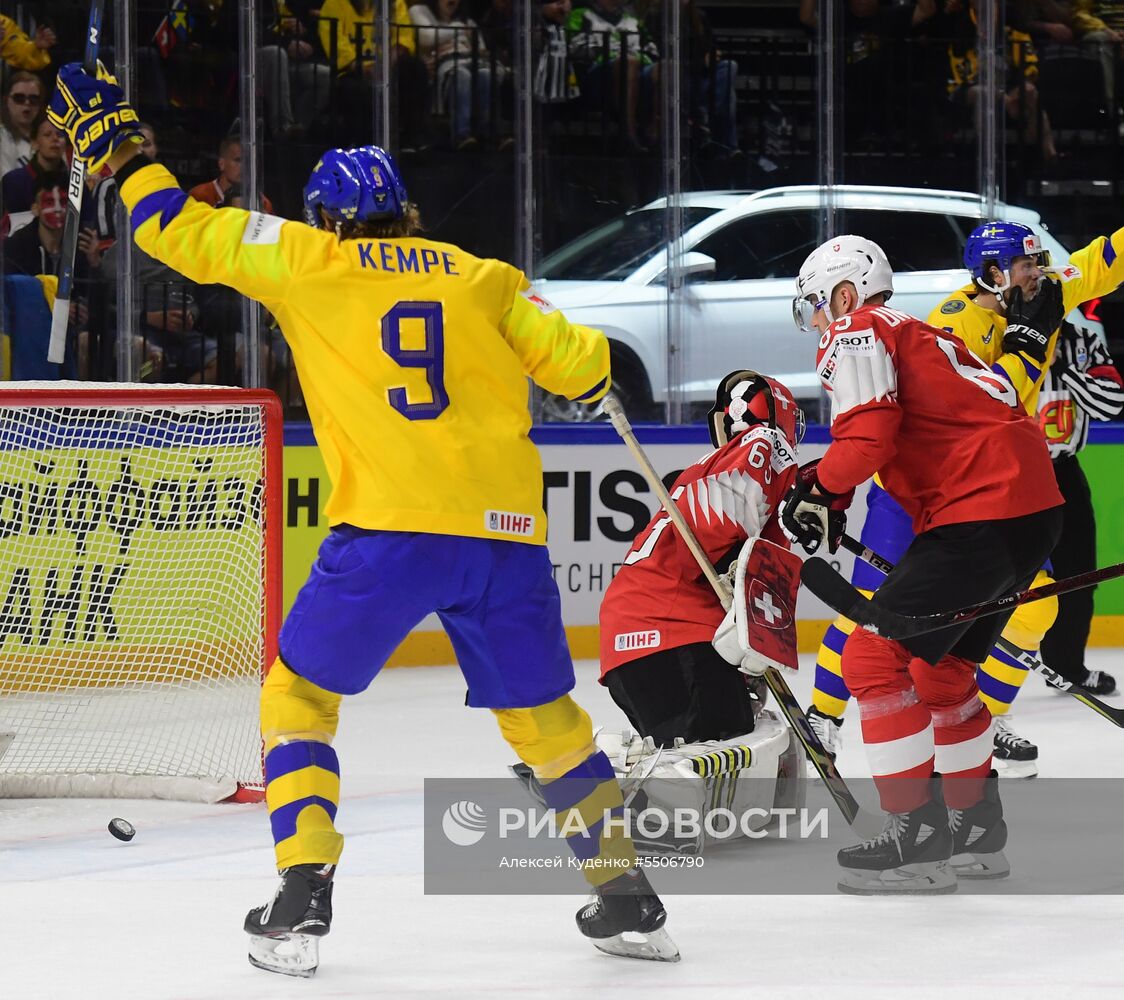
(613, 251)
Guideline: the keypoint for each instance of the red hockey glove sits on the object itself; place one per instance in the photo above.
(809, 513)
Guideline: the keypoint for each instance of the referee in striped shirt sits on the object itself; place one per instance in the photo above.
(1081, 384)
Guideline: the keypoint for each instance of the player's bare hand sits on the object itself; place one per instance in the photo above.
(44, 37)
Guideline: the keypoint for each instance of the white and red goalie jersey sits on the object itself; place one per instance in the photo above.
(946, 434)
(660, 599)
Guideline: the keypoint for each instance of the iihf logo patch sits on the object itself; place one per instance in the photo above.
(506, 522)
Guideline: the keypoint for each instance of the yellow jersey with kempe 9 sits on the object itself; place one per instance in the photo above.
(412, 354)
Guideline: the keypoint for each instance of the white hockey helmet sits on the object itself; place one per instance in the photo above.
(845, 258)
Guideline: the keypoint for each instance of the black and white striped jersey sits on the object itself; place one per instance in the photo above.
(1082, 383)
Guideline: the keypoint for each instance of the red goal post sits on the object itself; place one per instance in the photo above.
(140, 588)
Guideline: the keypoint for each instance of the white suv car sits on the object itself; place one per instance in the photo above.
(742, 251)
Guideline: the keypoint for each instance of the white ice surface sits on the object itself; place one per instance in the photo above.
(86, 916)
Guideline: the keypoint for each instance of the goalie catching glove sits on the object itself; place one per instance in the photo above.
(759, 630)
(93, 113)
(808, 517)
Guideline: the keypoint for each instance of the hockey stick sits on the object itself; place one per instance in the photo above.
(76, 188)
(1114, 715)
(862, 821)
(824, 581)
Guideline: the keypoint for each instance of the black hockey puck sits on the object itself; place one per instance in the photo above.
(122, 829)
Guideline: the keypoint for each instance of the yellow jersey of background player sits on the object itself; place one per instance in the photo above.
(1001, 256)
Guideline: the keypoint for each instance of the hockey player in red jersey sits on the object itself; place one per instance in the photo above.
(659, 614)
(952, 445)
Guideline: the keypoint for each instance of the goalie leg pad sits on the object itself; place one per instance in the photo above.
(695, 794)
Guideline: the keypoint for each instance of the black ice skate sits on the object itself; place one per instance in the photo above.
(910, 855)
(1014, 756)
(979, 836)
(285, 933)
(626, 918)
(826, 727)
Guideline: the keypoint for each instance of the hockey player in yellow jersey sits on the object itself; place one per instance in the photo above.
(1011, 275)
(413, 356)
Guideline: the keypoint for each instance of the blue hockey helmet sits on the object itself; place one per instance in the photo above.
(355, 185)
(1000, 243)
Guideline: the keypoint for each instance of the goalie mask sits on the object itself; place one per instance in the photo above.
(745, 399)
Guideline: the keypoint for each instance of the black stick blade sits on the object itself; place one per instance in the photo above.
(821, 578)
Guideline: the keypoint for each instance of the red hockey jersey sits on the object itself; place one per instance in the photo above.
(944, 432)
(660, 599)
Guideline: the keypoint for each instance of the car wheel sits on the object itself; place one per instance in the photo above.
(630, 386)
(560, 410)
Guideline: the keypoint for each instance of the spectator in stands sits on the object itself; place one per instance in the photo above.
(35, 249)
(217, 192)
(347, 32)
(169, 322)
(1073, 22)
(878, 44)
(614, 56)
(498, 28)
(21, 52)
(555, 80)
(47, 167)
(460, 67)
(709, 80)
(297, 79)
(1020, 93)
(23, 98)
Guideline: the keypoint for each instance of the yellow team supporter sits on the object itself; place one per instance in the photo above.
(384, 356)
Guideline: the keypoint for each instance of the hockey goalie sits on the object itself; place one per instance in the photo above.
(687, 674)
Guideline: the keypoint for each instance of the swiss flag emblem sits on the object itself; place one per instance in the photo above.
(767, 608)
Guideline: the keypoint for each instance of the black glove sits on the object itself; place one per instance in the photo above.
(1031, 322)
(808, 519)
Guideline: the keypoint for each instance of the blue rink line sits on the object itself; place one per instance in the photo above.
(300, 434)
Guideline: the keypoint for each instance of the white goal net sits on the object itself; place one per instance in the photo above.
(139, 588)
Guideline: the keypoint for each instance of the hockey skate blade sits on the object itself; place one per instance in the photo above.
(980, 866)
(287, 954)
(1015, 769)
(655, 946)
(929, 878)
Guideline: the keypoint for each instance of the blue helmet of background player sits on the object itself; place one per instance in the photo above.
(999, 243)
(355, 185)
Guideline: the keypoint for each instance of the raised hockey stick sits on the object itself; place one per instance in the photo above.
(863, 822)
(824, 581)
(76, 188)
(1114, 715)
